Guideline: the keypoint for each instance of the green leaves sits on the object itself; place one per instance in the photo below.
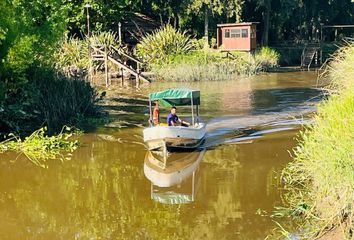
(39, 147)
(156, 47)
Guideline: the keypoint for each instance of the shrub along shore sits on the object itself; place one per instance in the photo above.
(173, 56)
(319, 183)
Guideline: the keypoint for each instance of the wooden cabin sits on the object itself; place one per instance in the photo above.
(237, 36)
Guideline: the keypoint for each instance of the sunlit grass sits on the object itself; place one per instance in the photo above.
(212, 65)
(319, 183)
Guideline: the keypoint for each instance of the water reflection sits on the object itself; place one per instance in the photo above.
(176, 181)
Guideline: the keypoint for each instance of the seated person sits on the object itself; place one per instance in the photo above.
(174, 120)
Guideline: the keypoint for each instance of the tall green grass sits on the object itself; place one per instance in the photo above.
(211, 65)
(319, 183)
(63, 101)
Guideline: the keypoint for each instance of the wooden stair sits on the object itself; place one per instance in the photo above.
(308, 55)
(118, 57)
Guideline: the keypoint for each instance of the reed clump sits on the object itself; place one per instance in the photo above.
(212, 65)
(319, 183)
(63, 101)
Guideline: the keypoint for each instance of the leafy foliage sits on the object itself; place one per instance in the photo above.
(162, 43)
(267, 58)
(72, 55)
(39, 147)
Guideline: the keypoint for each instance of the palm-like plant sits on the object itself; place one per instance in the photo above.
(73, 53)
(161, 43)
(109, 38)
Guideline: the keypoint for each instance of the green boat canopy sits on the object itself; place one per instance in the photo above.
(177, 97)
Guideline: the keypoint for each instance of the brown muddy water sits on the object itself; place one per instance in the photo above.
(105, 192)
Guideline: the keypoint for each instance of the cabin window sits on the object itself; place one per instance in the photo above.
(235, 33)
(227, 33)
(245, 33)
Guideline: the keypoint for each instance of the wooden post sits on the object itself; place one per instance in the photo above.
(106, 65)
(122, 73)
(137, 80)
(192, 110)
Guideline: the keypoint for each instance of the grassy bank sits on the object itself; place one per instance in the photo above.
(212, 65)
(319, 183)
(174, 56)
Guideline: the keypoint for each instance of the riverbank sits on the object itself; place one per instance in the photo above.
(319, 183)
(175, 56)
(215, 65)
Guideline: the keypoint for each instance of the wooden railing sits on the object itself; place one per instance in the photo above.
(117, 56)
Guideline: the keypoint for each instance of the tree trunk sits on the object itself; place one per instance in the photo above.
(266, 20)
(176, 20)
(206, 26)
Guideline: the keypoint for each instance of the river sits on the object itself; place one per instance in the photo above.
(105, 192)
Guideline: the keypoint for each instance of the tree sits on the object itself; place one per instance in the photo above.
(217, 7)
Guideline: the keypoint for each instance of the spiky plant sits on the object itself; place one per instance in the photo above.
(105, 38)
(72, 54)
(156, 47)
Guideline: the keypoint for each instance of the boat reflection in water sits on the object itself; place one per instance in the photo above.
(173, 181)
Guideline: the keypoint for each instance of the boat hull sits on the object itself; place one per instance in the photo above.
(174, 137)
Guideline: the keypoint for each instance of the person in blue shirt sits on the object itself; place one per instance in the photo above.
(174, 120)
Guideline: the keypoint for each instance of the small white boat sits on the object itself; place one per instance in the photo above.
(176, 137)
(176, 182)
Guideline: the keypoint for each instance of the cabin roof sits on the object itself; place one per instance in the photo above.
(136, 21)
(237, 24)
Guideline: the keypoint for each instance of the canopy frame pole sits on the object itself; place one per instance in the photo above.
(192, 106)
(150, 110)
(197, 106)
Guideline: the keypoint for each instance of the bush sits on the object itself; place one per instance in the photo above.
(156, 47)
(62, 100)
(72, 56)
(47, 98)
(267, 58)
(105, 38)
